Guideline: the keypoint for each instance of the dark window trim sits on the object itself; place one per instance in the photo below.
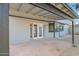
(59, 28)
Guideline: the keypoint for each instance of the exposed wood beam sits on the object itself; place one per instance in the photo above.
(29, 18)
(44, 14)
(38, 12)
(75, 14)
(23, 14)
(43, 7)
(30, 10)
(48, 14)
(18, 9)
(53, 16)
(19, 14)
(62, 10)
(14, 12)
(38, 19)
(47, 17)
(52, 9)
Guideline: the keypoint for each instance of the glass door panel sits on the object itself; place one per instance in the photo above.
(35, 30)
(40, 30)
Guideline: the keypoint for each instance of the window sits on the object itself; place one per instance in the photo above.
(58, 27)
(35, 30)
(51, 27)
(31, 30)
(61, 27)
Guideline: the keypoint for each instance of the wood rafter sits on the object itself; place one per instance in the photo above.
(30, 10)
(38, 12)
(14, 12)
(44, 14)
(18, 9)
(48, 14)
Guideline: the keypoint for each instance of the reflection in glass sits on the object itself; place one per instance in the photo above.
(35, 30)
(40, 31)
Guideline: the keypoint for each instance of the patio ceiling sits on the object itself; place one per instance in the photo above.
(74, 7)
(63, 8)
(34, 10)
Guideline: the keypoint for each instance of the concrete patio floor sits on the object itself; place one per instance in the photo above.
(46, 47)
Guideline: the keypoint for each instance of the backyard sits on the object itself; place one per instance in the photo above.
(47, 47)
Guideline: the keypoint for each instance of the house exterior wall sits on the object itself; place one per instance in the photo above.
(19, 30)
(76, 29)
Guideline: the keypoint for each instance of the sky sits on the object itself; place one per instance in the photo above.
(73, 6)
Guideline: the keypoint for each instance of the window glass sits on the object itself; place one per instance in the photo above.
(51, 27)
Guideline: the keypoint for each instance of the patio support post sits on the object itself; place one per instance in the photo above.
(59, 31)
(54, 29)
(73, 34)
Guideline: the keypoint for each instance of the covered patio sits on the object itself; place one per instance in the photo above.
(30, 21)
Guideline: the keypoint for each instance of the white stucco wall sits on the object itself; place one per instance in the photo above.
(76, 29)
(46, 31)
(19, 30)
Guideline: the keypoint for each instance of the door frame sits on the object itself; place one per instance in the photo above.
(38, 25)
(42, 30)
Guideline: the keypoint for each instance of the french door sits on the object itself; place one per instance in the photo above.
(37, 31)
